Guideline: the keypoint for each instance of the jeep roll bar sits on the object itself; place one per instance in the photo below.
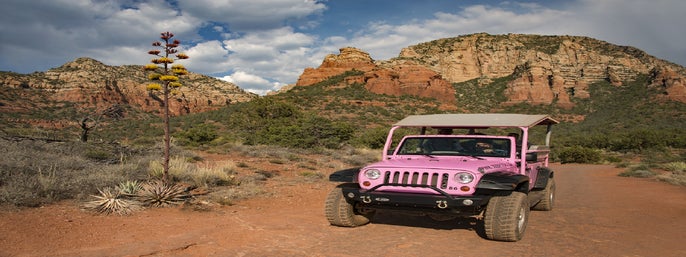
(474, 121)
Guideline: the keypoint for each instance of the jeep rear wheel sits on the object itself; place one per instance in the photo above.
(506, 217)
(341, 213)
(546, 204)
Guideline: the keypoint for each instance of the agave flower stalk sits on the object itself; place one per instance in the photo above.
(167, 75)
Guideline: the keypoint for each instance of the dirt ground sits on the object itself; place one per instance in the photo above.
(597, 213)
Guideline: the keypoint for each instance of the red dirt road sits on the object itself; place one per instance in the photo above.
(597, 213)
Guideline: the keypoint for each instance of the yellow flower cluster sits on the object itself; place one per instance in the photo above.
(178, 69)
(150, 67)
(175, 84)
(162, 60)
(169, 78)
(154, 76)
(154, 87)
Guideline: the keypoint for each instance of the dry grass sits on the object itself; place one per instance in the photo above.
(36, 172)
(676, 173)
(181, 170)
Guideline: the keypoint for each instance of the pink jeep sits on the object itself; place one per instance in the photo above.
(497, 178)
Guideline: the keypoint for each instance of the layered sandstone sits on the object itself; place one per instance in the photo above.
(399, 78)
(349, 58)
(543, 69)
(90, 84)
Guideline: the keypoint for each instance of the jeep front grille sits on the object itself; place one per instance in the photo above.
(417, 178)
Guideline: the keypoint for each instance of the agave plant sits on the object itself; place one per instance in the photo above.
(130, 187)
(110, 201)
(159, 193)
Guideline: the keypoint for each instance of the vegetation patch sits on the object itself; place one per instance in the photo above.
(638, 171)
(676, 173)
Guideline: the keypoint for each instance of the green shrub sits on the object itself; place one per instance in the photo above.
(676, 175)
(578, 154)
(638, 171)
(197, 135)
(374, 138)
(675, 167)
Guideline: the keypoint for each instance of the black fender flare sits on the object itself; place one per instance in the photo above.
(503, 181)
(544, 174)
(346, 175)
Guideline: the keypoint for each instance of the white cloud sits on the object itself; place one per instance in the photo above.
(653, 26)
(50, 33)
(208, 57)
(279, 54)
(264, 44)
(253, 83)
(251, 15)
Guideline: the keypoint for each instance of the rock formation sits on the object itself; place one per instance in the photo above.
(544, 69)
(90, 84)
(399, 78)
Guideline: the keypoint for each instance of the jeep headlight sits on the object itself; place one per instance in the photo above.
(372, 174)
(464, 177)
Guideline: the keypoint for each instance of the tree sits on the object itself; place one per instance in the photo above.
(86, 125)
(167, 74)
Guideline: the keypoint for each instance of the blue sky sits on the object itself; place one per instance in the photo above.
(262, 45)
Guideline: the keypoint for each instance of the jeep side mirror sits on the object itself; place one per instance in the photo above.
(531, 157)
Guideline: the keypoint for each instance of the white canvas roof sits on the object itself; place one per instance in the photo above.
(474, 120)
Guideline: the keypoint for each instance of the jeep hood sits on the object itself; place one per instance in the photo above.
(451, 163)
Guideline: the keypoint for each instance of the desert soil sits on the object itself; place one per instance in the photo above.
(597, 213)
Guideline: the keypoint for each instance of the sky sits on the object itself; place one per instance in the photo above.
(262, 45)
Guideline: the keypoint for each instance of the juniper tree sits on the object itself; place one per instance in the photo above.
(166, 80)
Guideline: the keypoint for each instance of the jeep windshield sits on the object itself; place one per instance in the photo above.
(455, 146)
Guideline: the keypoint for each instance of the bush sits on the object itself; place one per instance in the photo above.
(36, 172)
(578, 154)
(181, 170)
(676, 175)
(638, 171)
(372, 138)
(197, 135)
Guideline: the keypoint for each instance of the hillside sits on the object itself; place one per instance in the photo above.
(594, 87)
(608, 96)
(86, 87)
(538, 69)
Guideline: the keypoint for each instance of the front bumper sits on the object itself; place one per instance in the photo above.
(444, 203)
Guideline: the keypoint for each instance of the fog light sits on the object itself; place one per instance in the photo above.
(467, 202)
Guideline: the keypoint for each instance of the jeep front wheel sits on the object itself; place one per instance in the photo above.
(546, 204)
(506, 217)
(341, 213)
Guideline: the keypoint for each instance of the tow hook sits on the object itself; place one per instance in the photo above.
(366, 199)
(442, 204)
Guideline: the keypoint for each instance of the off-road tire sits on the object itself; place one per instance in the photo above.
(506, 217)
(546, 204)
(341, 213)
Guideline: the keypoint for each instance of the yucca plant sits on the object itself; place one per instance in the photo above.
(160, 193)
(130, 187)
(110, 201)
